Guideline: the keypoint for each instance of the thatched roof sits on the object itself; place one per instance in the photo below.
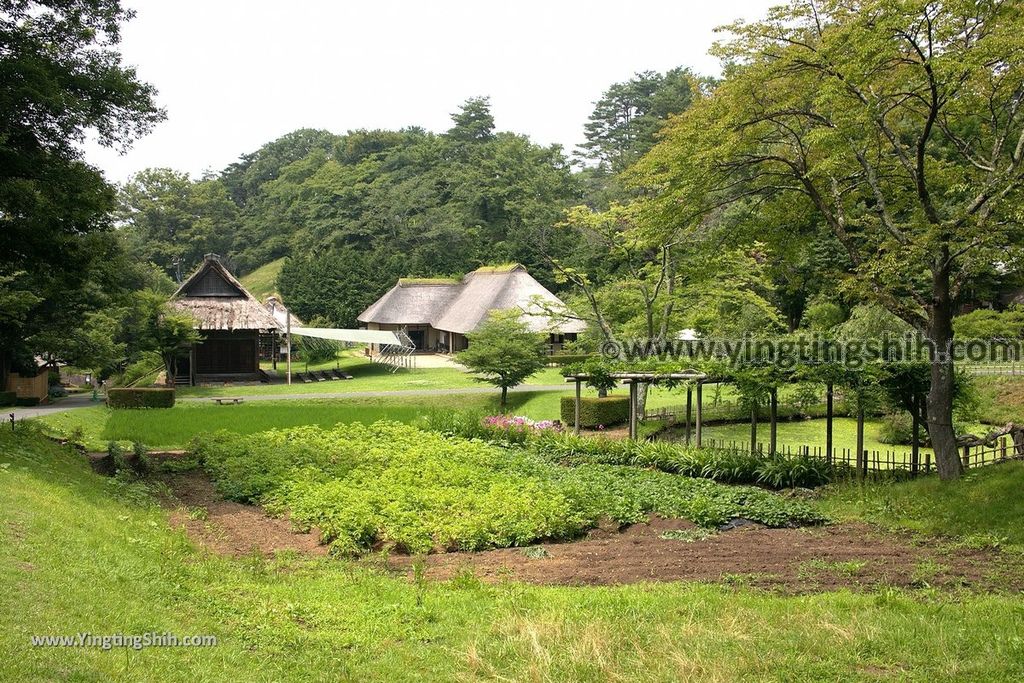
(281, 314)
(460, 306)
(218, 301)
(411, 303)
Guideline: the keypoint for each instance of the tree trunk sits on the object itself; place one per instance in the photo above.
(940, 392)
(504, 398)
(170, 369)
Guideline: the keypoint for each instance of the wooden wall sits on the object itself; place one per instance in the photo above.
(29, 387)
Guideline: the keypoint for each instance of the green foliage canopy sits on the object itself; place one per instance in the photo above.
(503, 351)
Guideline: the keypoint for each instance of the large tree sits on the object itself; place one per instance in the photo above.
(173, 221)
(898, 123)
(629, 114)
(503, 351)
(638, 292)
(61, 79)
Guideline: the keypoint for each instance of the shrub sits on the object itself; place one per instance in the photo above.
(57, 391)
(806, 397)
(896, 428)
(595, 412)
(138, 397)
(8, 398)
(516, 429)
(790, 472)
(118, 452)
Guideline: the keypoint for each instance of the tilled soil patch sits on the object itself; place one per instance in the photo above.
(229, 528)
(790, 560)
(848, 555)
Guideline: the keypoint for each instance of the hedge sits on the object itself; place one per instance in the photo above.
(8, 398)
(607, 411)
(148, 397)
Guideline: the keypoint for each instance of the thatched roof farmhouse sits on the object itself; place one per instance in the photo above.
(438, 313)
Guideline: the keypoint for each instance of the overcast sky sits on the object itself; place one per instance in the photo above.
(234, 75)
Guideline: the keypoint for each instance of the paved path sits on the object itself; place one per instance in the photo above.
(69, 403)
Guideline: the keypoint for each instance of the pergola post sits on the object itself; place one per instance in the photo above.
(576, 422)
(288, 328)
(862, 460)
(700, 412)
(753, 427)
(829, 393)
(774, 409)
(915, 439)
(633, 379)
(632, 410)
(689, 409)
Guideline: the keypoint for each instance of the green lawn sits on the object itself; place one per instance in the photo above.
(175, 427)
(367, 376)
(812, 433)
(804, 432)
(262, 282)
(83, 553)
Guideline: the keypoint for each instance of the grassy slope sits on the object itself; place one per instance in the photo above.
(369, 376)
(1001, 398)
(82, 556)
(262, 282)
(984, 508)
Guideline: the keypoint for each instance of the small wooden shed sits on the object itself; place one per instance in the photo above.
(233, 323)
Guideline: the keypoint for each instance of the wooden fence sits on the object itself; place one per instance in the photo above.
(1013, 368)
(887, 461)
(734, 411)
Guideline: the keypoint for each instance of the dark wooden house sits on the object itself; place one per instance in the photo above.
(233, 323)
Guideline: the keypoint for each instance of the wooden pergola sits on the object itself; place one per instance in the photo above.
(634, 379)
(697, 379)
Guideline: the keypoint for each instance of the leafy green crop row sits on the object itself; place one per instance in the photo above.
(726, 466)
(391, 484)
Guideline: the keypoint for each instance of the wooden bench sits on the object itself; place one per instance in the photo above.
(221, 400)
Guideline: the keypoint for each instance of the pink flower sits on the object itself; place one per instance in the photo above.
(520, 423)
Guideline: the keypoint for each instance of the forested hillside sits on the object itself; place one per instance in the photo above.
(352, 212)
(355, 211)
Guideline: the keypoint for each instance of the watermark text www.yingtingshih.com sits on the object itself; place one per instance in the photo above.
(136, 641)
(814, 348)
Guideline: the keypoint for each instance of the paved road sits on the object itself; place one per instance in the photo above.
(69, 403)
(85, 400)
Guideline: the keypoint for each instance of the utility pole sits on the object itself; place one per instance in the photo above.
(288, 335)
